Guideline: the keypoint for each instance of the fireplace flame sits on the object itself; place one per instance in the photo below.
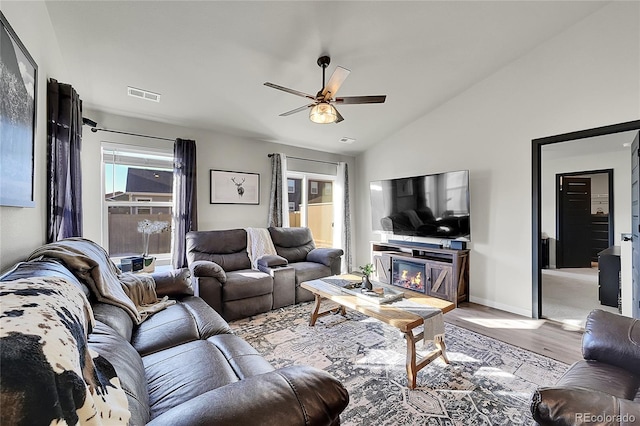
(409, 277)
(417, 280)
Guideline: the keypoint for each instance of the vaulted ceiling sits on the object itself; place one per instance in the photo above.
(209, 59)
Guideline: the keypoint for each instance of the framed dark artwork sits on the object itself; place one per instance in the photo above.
(234, 187)
(18, 85)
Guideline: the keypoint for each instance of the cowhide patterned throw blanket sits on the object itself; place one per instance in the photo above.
(49, 375)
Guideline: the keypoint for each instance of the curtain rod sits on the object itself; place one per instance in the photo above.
(96, 129)
(308, 159)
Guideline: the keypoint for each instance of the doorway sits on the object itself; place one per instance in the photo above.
(310, 198)
(586, 139)
(585, 217)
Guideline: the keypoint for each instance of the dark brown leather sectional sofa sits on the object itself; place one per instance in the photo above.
(602, 389)
(222, 274)
(184, 366)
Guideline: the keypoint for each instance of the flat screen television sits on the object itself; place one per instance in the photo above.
(434, 205)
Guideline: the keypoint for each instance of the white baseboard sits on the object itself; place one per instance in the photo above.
(500, 306)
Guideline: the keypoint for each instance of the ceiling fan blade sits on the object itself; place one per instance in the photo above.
(337, 78)
(293, 111)
(376, 99)
(340, 117)
(293, 92)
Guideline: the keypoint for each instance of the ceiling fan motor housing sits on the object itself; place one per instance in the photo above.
(324, 61)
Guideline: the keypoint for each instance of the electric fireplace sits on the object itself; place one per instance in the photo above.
(408, 274)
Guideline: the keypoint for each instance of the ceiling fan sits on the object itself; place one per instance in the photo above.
(322, 109)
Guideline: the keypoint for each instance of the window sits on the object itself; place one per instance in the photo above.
(138, 186)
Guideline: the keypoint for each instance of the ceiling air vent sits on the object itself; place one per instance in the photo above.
(347, 140)
(143, 94)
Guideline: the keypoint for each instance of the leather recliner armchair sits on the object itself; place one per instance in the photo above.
(309, 262)
(604, 388)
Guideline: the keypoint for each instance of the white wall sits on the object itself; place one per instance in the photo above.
(585, 77)
(214, 151)
(24, 229)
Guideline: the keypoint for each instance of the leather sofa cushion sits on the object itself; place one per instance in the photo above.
(227, 248)
(240, 355)
(296, 395)
(129, 368)
(292, 243)
(169, 327)
(601, 377)
(246, 283)
(307, 271)
(178, 374)
(208, 321)
(189, 319)
(115, 317)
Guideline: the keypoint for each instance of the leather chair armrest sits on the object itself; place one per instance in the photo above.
(271, 260)
(612, 339)
(176, 282)
(205, 268)
(581, 406)
(326, 256)
(299, 395)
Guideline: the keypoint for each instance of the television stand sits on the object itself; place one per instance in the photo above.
(447, 270)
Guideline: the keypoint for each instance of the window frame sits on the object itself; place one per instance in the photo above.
(161, 258)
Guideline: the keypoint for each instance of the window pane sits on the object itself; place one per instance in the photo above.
(295, 199)
(124, 236)
(136, 178)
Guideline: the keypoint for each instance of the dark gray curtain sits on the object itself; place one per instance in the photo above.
(64, 174)
(278, 197)
(346, 219)
(185, 212)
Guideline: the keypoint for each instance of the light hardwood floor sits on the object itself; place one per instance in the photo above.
(545, 337)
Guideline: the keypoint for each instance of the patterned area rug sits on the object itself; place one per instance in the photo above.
(488, 382)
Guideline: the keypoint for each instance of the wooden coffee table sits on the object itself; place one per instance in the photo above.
(403, 320)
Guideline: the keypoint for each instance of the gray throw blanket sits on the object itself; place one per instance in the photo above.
(91, 264)
(141, 289)
(259, 244)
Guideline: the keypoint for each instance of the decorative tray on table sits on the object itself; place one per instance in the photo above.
(344, 281)
(378, 295)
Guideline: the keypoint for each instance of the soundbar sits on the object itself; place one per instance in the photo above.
(415, 244)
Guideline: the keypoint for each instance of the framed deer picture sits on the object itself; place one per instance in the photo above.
(234, 187)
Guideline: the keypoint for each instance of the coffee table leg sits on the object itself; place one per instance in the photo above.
(412, 370)
(413, 364)
(439, 342)
(316, 309)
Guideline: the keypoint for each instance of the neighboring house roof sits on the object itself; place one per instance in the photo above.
(145, 180)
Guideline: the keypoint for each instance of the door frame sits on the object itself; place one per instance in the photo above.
(559, 176)
(536, 198)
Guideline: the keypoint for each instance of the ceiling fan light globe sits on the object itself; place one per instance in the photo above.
(323, 113)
